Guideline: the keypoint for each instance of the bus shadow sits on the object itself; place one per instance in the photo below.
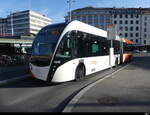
(29, 83)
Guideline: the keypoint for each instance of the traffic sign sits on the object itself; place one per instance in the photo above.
(111, 31)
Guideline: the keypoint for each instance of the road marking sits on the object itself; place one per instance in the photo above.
(75, 99)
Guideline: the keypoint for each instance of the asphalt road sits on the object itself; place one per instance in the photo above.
(126, 91)
(32, 95)
(11, 72)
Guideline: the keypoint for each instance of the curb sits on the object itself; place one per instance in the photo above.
(13, 79)
(75, 99)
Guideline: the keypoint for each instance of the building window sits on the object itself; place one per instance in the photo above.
(136, 40)
(126, 16)
(131, 22)
(120, 15)
(120, 34)
(115, 22)
(131, 34)
(115, 16)
(101, 17)
(90, 17)
(131, 28)
(126, 34)
(145, 35)
(78, 18)
(144, 41)
(126, 28)
(131, 15)
(145, 23)
(96, 18)
(145, 30)
(145, 18)
(137, 34)
(84, 18)
(120, 28)
(90, 20)
(137, 28)
(137, 22)
(126, 22)
(120, 21)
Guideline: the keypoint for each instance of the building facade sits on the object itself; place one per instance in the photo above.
(99, 17)
(132, 23)
(145, 25)
(3, 25)
(25, 23)
(128, 21)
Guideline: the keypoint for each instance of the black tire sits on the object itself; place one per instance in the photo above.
(80, 73)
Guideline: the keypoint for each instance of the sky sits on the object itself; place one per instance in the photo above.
(57, 9)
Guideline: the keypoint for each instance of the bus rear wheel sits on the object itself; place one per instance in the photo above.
(80, 73)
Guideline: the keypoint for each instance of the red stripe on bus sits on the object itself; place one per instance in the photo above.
(31, 74)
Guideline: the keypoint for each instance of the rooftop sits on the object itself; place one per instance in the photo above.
(109, 8)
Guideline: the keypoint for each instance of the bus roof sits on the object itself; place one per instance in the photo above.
(83, 27)
(54, 25)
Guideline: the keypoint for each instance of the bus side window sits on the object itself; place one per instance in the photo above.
(82, 45)
(67, 49)
(95, 49)
(64, 49)
(105, 48)
(116, 45)
(73, 43)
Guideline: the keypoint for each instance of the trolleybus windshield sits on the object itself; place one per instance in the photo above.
(46, 40)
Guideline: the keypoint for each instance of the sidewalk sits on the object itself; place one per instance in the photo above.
(128, 90)
(13, 72)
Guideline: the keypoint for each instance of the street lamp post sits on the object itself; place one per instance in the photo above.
(29, 4)
(69, 2)
(0, 29)
(12, 29)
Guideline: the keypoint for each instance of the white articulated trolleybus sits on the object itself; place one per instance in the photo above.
(64, 52)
